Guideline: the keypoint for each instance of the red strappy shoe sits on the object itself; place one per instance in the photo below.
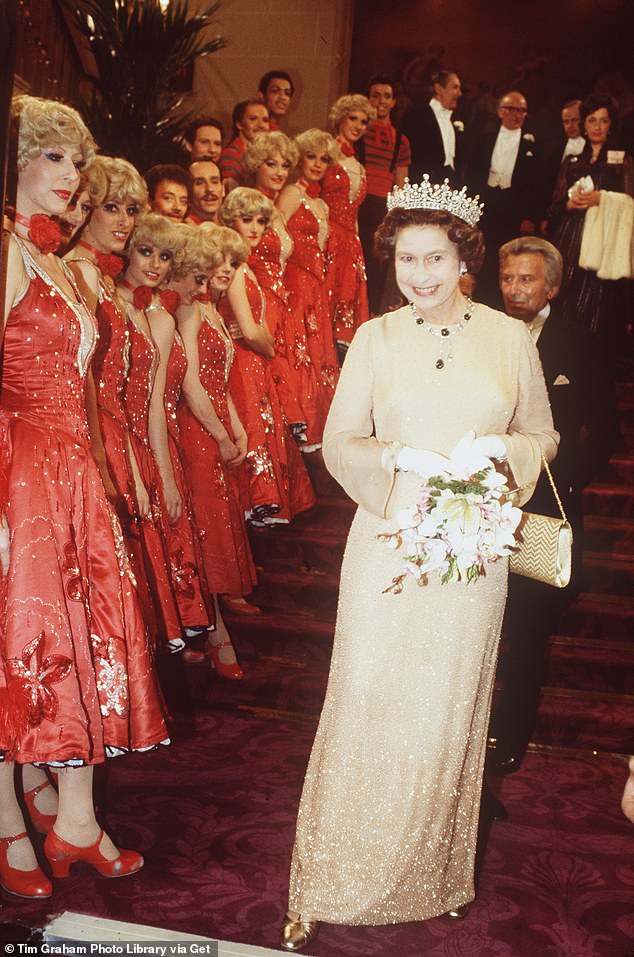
(41, 822)
(21, 883)
(61, 855)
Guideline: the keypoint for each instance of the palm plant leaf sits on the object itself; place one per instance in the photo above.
(139, 50)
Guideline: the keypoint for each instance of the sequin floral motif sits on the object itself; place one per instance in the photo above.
(37, 674)
(112, 680)
(182, 574)
(261, 463)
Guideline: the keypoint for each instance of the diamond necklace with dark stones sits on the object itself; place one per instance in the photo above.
(444, 333)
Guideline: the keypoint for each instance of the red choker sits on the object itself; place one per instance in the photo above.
(43, 231)
(346, 148)
(109, 263)
(142, 296)
(313, 189)
(269, 193)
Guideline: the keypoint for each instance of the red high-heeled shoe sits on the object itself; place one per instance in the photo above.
(21, 883)
(41, 822)
(233, 671)
(61, 855)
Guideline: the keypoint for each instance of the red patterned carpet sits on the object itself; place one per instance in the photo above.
(214, 814)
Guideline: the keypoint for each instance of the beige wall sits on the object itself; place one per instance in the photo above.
(310, 39)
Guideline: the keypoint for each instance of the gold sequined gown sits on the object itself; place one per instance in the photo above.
(388, 818)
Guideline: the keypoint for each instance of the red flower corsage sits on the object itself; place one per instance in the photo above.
(43, 231)
(110, 264)
(170, 300)
(142, 296)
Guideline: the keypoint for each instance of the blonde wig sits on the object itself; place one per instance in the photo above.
(152, 229)
(350, 103)
(317, 141)
(198, 252)
(227, 242)
(123, 182)
(265, 146)
(39, 124)
(245, 202)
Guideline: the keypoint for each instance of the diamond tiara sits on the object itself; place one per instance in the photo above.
(426, 195)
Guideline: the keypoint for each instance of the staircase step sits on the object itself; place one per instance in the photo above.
(609, 535)
(609, 617)
(604, 499)
(591, 665)
(305, 592)
(618, 471)
(607, 575)
(586, 719)
(302, 638)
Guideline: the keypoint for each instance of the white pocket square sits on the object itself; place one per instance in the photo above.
(562, 380)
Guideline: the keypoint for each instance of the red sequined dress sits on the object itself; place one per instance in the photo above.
(185, 558)
(268, 262)
(72, 639)
(279, 486)
(310, 342)
(136, 400)
(217, 509)
(347, 286)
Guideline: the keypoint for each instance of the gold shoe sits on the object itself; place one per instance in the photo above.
(457, 913)
(295, 933)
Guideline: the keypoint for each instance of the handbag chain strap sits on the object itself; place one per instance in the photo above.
(553, 486)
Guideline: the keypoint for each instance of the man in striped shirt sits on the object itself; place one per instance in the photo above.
(385, 153)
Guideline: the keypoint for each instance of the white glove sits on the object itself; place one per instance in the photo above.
(471, 455)
(422, 461)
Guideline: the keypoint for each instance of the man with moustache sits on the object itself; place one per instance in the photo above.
(583, 402)
(435, 138)
(168, 190)
(206, 191)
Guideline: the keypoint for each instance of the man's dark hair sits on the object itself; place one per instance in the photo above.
(163, 171)
(189, 133)
(263, 85)
(385, 79)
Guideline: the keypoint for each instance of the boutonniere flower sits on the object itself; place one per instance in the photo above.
(528, 138)
(459, 125)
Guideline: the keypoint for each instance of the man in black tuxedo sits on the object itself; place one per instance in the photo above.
(435, 138)
(582, 397)
(505, 169)
(570, 142)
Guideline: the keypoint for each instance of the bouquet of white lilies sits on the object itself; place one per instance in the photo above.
(462, 520)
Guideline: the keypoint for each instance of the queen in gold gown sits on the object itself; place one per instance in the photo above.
(388, 817)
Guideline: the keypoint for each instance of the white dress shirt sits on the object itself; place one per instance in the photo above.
(573, 147)
(447, 131)
(504, 157)
(538, 322)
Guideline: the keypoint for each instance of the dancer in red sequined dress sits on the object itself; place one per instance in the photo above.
(270, 158)
(279, 487)
(76, 678)
(213, 443)
(344, 190)
(310, 341)
(155, 244)
(95, 260)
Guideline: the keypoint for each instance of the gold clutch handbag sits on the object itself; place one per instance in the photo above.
(544, 545)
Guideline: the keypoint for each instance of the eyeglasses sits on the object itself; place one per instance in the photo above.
(514, 109)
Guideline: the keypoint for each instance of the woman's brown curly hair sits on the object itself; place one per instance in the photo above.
(468, 239)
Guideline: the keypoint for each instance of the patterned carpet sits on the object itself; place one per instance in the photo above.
(214, 814)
